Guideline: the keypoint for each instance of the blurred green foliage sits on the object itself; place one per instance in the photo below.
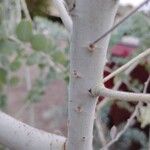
(24, 31)
(137, 25)
(39, 7)
(32, 44)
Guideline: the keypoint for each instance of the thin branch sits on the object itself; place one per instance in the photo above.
(146, 84)
(116, 87)
(120, 95)
(128, 124)
(29, 87)
(25, 9)
(124, 67)
(32, 115)
(56, 67)
(149, 139)
(119, 23)
(107, 99)
(28, 78)
(98, 121)
(100, 130)
(130, 120)
(104, 102)
(60, 5)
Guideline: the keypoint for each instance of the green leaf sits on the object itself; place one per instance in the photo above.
(2, 33)
(36, 93)
(3, 76)
(39, 42)
(66, 78)
(51, 75)
(33, 59)
(3, 99)
(4, 60)
(14, 81)
(24, 30)
(15, 65)
(59, 57)
(8, 47)
(41, 65)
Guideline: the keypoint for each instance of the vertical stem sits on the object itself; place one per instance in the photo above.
(11, 15)
(28, 78)
(29, 86)
(101, 131)
(32, 115)
(90, 19)
(149, 139)
(25, 9)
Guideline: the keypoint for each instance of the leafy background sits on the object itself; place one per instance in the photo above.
(43, 46)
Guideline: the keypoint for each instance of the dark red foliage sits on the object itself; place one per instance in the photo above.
(140, 73)
(118, 115)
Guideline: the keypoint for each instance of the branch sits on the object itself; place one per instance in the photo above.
(119, 23)
(146, 84)
(100, 130)
(19, 136)
(104, 102)
(126, 96)
(107, 99)
(98, 121)
(129, 122)
(60, 5)
(57, 68)
(116, 87)
(28, 78)
(25, 9)
(124, 67)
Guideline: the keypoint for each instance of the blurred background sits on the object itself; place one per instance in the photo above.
(34, 70)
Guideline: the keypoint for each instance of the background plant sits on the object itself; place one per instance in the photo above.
(36, 42)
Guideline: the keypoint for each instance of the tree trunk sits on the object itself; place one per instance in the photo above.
(91, 18)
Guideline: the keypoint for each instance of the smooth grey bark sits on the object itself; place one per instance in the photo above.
(19, 136)
(91, 18)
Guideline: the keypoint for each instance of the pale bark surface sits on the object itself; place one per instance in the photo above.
(19, 136)
(90, 20)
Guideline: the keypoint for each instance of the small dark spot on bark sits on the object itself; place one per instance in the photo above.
(76, 74)
(83, 138)
(79, 109)
(91, 48)
(90, 91)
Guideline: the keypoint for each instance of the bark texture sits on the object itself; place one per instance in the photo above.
(91, 18)
(19, 136)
